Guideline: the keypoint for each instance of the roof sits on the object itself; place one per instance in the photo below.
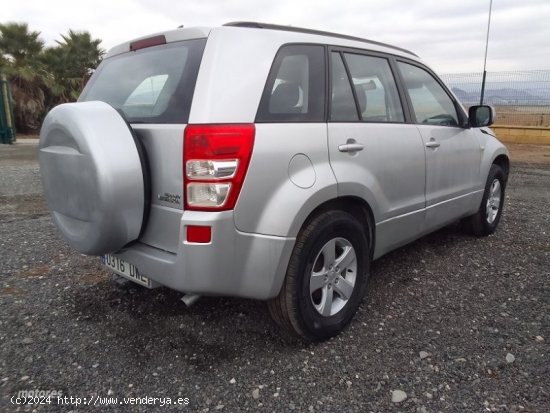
(267, 26)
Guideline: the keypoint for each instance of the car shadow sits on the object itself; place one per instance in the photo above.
(214, 328)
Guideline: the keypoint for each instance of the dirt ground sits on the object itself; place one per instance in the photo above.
(532, 155)
(457, 323)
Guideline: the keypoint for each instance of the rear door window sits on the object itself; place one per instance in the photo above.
(342, 102)
(375, 88)
(295, 88)
(150, 85)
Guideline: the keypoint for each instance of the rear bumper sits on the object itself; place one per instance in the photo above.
(232, 264)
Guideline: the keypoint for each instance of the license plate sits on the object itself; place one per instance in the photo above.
(125, 269)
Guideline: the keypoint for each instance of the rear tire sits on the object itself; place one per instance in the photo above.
(326, 278)
(485, 221)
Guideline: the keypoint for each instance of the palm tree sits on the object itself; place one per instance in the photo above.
(19, 44)
(19, 50)
(43, 77)
(72, 62)
(84, 52)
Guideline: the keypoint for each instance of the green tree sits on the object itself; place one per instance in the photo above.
(71, 62)
(19, 50)
(44, 77)
(84, 52)
(18, 44)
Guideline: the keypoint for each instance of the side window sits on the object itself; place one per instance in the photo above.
(295, 88)
(430, 103)
(342, 106)
(375, 88)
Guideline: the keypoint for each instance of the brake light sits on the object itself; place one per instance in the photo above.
(150, 41)
(215, 160)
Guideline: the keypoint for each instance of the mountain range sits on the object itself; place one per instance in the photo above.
(504, 96)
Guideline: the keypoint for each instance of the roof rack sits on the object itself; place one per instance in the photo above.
(256, 25)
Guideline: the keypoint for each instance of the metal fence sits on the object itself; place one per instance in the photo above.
(521, 98)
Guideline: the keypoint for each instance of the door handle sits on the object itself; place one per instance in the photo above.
(351, 147)
(432, 143)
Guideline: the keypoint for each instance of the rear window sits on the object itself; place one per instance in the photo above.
(151, 85)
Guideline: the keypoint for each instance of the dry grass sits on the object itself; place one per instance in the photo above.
(523, 116)
(526, 154)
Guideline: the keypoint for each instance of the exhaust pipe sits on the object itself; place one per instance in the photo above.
(190, 299)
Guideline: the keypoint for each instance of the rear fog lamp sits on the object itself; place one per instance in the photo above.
(198, 234)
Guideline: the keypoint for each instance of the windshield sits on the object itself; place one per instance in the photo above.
(151, 85)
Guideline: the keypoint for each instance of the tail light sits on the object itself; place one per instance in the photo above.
(215, 159)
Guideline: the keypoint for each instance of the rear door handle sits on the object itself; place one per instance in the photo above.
(351, 147)
(432, 143)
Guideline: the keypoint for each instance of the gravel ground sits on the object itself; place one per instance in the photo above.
(454, 322)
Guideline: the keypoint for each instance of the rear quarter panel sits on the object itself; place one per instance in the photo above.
(232, 76)
(288, 177)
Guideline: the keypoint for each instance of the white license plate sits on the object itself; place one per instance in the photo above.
(125, 269)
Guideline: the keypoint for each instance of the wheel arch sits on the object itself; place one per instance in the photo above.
(353, 205)
(503, 161)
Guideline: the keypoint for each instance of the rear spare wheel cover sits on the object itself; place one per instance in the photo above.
(92, 176)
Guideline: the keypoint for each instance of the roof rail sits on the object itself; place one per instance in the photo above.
(257, 25)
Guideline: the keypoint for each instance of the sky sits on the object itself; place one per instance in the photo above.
(447, 34)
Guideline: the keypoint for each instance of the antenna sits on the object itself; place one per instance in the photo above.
(485, 60)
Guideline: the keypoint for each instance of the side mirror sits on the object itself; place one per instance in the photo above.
(481, 115)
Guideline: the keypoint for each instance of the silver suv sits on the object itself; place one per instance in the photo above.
(266, 162)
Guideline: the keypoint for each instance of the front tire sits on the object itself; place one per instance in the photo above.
(485, 221)
(326, 278)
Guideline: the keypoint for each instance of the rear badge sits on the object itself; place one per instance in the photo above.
(171, 198)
